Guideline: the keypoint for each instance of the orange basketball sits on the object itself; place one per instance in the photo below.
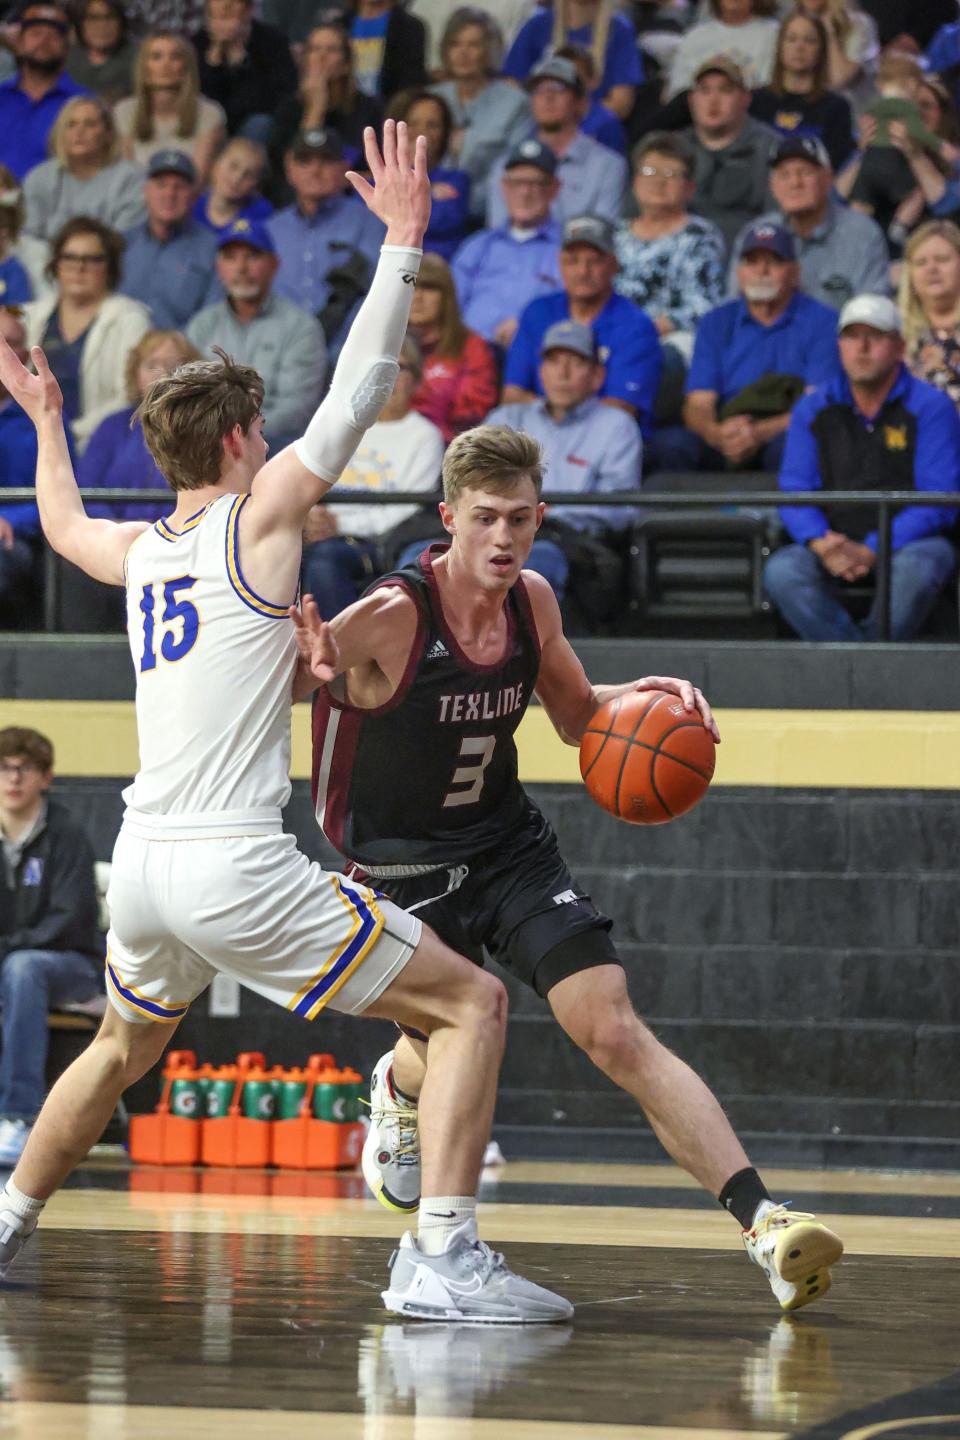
(646, 759)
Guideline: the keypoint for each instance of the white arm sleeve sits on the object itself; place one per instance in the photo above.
(364, 378)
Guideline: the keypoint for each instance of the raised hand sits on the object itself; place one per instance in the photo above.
(38, 394)
(400, 193)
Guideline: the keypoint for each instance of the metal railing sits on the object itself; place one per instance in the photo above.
(885, 503)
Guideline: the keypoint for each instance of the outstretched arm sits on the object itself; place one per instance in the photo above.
(96, 546)
(562, 685)
(300, 475)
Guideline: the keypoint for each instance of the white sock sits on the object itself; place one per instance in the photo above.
(23, 1206)
(440, 1215)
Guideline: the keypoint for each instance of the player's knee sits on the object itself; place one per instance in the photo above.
(485, 1003)
(618, 1044)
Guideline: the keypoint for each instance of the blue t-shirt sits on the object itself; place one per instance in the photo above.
(256, 208)
(367, 40)
(118, 456)
(15, 287)
(621, 66)
(450, 211)
(602, 125)
(732, 350)
(628, 345)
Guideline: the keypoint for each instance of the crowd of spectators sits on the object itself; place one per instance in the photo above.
(666, 236)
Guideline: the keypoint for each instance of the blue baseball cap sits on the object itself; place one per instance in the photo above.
(532, 152)
(171, 162)
(769, 237)
(570, 335)
(247, 232)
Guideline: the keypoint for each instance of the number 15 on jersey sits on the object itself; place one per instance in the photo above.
(179, 618)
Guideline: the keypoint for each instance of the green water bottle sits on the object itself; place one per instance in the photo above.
(328, 1098)
(293, 1089)
(258, 1100)
(220, 1091)
(186, 1099)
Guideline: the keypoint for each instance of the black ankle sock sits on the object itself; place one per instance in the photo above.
(742, 1194)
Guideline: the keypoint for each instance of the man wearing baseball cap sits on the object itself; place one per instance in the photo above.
(627, 341)
(731, 151)
(752, 358)
(259, 328)
(587, 447)
(32, 99)
(170, 258)
(327, 245)
(499, 271)
(874, 427)
(841, 251)
(592, 177)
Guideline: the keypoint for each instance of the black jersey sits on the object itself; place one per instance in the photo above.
(430, 777)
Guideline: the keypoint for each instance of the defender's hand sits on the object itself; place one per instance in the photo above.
(399, 195)
(38, 394)
(318, 649)
(693, 699)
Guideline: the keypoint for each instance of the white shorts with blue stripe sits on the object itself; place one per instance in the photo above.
(251, 906)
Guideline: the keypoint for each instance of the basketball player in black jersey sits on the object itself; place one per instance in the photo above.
(415, 782)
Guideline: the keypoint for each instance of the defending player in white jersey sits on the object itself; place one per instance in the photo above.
(203, 879)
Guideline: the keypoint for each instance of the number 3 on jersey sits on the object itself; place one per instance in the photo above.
(477, 752)
(173, 646)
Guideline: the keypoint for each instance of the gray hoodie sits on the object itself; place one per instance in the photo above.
(733, 183)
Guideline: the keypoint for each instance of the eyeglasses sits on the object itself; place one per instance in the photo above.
(17, 770)
(68, 257)
(650, 172)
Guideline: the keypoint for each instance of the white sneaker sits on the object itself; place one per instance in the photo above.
(468, 1283)
(795, 1253)
(14, 1234)
(391, 1151)
(14, 1135)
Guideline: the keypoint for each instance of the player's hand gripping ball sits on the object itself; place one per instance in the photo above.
(646, 759)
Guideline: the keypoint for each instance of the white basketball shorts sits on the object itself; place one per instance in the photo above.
(252, 907)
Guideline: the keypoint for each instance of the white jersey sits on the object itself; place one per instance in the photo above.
(214, 666)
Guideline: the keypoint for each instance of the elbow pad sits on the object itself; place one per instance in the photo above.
(367, 369)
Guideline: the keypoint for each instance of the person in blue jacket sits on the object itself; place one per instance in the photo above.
(875, 427)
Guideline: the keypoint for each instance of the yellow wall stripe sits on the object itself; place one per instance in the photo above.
(853, 749)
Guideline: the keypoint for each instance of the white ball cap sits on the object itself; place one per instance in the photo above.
(877, 311)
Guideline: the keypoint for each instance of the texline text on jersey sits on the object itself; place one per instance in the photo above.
(482, 705)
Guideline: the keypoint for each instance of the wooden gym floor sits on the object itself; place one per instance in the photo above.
(230, 1305)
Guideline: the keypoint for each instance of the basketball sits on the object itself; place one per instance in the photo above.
(646, 759)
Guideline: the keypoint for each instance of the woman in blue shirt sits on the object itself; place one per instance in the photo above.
(117, 455)
(594, 24)
(429, 115)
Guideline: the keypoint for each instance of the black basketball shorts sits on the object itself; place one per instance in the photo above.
(519, 902)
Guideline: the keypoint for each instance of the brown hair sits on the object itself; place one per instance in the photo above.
(821, 76)
(949, 126)
(404, 101)
(58, 133)
(491, 457)
(435, 274)
(12, 208)
(188, 100)
(342, 89)
(663, 142)
(187, 415)
(462, 19)
(18, 740)
(112, 242)
(144, 346)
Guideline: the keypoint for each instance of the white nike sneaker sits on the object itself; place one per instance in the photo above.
(469, 1283)
(795, 1253)
(391, 1151)
(14, 1234)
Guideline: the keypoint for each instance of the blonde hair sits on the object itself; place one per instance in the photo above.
(145, 346)
(598, 41)
(240, 142)
(59, 131)
(491, 457)
(187, 415)
(915, 322)
(188, 105)
(435, 274)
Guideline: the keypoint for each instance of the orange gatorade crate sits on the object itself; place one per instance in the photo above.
(242, 1136)
(325, 1134)
(171, 1136)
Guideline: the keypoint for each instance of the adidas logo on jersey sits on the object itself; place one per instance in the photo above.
(437, 651)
